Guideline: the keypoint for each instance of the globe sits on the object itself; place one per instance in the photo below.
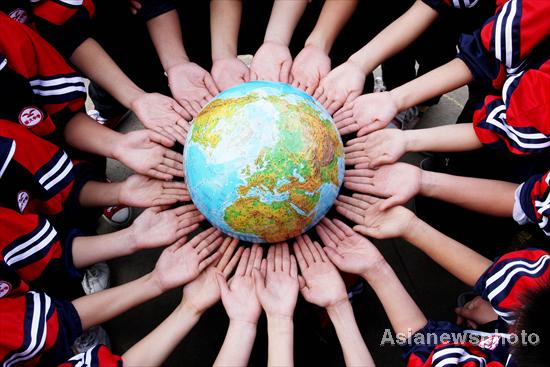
(263, 162)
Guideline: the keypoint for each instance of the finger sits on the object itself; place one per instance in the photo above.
(212, 238)
(320, 251)
(310, 89)
(312, 249)
(302, 263)
(211, 86)
(339, 234)
(344, 112)
(233, 262)
(241, 268)
(271, 258)
(349, 207)
(373, 126)
(222, 283)
(285, 71)
(158, 175)
(178, 133)
(366, 198)
(344, 227)
(350, 215)
(324, 235)
(164, 132)
(278, 258)
(258, 259)
(227, 249)
(186, 230)
(174, 156)
(360, 173)
(209, 260)
(334, 256)
(155, 137)
(259, 281)
(391, 202)
(196, 106)
(201, 236)
(302, 282)
(180, 210)
(306, 253)
(182, 112)
(210, 248)
(353, 202)
(263, 268)
(293, 267)
(285, 257)
(251, 260)
(335, 105)
(187, 106)
(366, 231)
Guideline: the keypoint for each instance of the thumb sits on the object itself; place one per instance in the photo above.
(258, 280)
(335, 257)
(464, 312)
(391, 202)
(161, 139)
(367, 231)
(222, 283)
(285, 71)
(302, 282)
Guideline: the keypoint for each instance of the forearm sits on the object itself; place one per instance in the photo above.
(237, 345)
(354, 348)
(97, 65)
(102, 306)
(165, 32)
(84, 134)
(159, 344)
(403, 313)
(280, 332)
(225, 21)
(395, 37)
(285, 16)
(89, 250)
(490, 197)
(459, 260)
(439, 81)
(447, 138)
(100, 194)
(333, 17)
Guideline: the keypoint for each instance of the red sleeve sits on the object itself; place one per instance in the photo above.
(98, 356)
(506, 282)
(534, 200)
(59, 89)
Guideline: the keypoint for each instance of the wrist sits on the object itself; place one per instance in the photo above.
(175, 66)
(280, 324)
(186, 307)
(379, 275)
(356, 60)
(225, 52)
(318, 41)
(414, 231)
(428, 183)
(117, 188)
(116, 147)
(242, 325)
(276, 40)
(398, 99)
(153, 285)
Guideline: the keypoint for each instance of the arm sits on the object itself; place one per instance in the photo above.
(225, 20)
(322, 285)
(165, 32)
(285, 16)
(177, 265)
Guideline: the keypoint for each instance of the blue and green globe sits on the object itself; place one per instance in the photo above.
(263, 162)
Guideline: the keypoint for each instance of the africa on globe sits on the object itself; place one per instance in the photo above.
(263, 162)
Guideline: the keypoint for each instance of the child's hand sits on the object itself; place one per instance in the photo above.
(182, 262)
(239, 296)
(474, 313)
(399, 182)
(203, 292)
(163, 115)
(229, 72)
(366, 114)
(348, 250)
(145, 152)
(320, 284)
(277, 282)
(310, 66)
(342, 85)
(373, 221)
(144, 192)
(271, 62)
(378, 148)
(156, 227)
(191, 86)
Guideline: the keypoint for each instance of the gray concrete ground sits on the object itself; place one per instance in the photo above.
(433, 289)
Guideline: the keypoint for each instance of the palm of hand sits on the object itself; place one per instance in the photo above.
(390, 223)
(142, 154)
(386, 146)
(280, 294)
(310, 66)
(325, 287)
(203, 292)
(174, 270)
(187, 82)
(241, 303)
(229, 72)
(155, 229)
(358, 254)
(398, 179)
(268, 61)
(374, 107)
(140, 191)
(155, 110)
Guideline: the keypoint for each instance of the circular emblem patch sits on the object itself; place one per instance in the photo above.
(30, 116)
(5, 288)
(22, 200)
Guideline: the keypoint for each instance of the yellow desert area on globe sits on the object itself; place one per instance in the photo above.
(263, 162)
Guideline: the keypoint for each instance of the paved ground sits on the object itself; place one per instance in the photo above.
(433, 289)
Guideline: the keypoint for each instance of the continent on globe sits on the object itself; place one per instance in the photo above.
(263, 162)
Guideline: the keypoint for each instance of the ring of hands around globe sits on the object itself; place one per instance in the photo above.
(263, 162)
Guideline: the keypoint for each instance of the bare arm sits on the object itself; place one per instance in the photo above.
(395, 37)
(333, 17)
(225, 21)
(447, 138)
(285, 16)
(237, 345)
(490, 197)
(165, 32)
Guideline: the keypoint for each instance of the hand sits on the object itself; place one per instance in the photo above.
(399, 182)
(157, 227)
(239, 297)
(342, 85)
(368, 113)
(182, 262)
(135, 6)
(163, 115)
(378, 148)
(143, 192)
(191, 86)
(348, 250)
(145, 152)
(203, 292)
(474, 313)
(229, 72)
(310, 66)
(320, 283)
(271, 62)
(373, 221)
(277, 283)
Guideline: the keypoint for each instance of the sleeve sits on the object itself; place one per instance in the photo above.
(7, 150)
(66, 24)
(33, 249)
(37, 330)
(98, 356)
(517, 28)
(153, 8)
(59, 90)
(508, 279)
(441, 5)
(533, 200)
(517, 119)
(441, 343)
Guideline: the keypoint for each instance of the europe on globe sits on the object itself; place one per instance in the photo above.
(263, 162)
